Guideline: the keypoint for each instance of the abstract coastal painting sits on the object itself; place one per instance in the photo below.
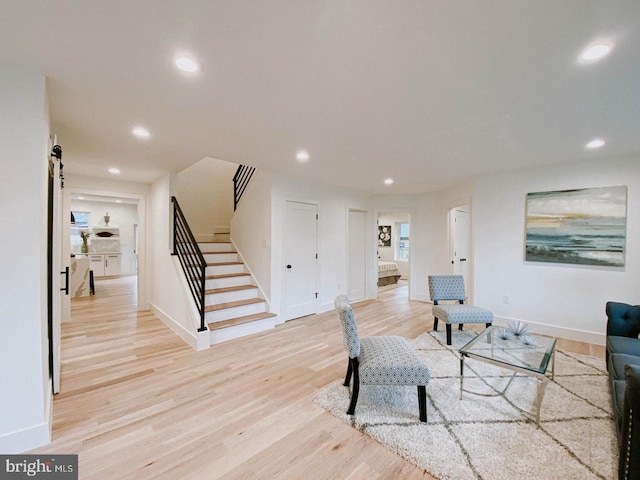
(583, 227)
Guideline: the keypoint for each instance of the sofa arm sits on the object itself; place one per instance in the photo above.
(629, 466)
(623, 320)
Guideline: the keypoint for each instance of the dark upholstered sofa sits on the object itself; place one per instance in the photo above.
(623, 364)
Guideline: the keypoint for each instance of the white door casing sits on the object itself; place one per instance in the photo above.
(357, 261)
(300, 260)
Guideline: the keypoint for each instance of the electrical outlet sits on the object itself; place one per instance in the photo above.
(505, 299)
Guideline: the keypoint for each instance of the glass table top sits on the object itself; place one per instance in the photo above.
(499, 344)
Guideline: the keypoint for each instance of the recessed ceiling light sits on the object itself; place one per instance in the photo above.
(80, 198)
(118, 201)
(595, 143)
(388, 181)
(595, 51)
(187, 64)
(114, 171)
(302, 156)
(141, 132)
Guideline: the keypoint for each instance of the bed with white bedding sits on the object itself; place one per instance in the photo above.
(388, 273)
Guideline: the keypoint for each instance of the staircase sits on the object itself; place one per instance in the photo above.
(234, 306)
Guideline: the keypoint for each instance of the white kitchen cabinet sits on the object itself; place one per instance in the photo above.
(112, 264)
(97, 265)
(104, 264)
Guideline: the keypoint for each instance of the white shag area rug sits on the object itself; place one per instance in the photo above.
(488, 437)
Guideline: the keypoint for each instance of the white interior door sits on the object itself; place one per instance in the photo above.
(357, 255)
(300, 260)
(460, 243)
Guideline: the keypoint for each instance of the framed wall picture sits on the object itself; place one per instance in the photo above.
(384, 235)
(583, 227)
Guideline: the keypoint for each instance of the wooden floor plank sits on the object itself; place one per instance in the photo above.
(137, 403)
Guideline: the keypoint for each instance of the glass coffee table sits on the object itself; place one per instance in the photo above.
(523, 353)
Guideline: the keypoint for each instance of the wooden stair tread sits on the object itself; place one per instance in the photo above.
(229, 289)
(219, 253)
(222, 264)
(239, 303)
(232, 322)
(226, 275)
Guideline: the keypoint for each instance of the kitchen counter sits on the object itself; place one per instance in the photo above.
(79, 282)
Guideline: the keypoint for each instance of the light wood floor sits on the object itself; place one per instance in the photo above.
(136, 402)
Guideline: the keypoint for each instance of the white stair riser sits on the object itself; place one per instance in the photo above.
(216, 247)
(222, 237)
(221, 257)
(226, 297)
(228, 282)
(225, 269)
(229, 313)
(237, 331)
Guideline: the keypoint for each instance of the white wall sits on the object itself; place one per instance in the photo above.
(205, 195)
(428, 236)
(123, 216)
(333, 211)
(251, 229)
(25, 401)
(562, 300)
(170, 299)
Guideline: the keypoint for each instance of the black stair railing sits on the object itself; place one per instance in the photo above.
(240, 181)
(193, 263)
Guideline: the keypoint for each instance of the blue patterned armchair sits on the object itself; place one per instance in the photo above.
(382, 360)
(451, 287)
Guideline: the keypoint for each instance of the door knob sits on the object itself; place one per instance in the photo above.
(288, 266)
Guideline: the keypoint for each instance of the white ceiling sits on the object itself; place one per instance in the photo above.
(427, 92)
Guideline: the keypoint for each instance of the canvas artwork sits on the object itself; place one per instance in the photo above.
(384, 235)
(584, 227)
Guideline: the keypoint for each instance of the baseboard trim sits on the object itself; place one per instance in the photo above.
(32, 437)
(29, 438)
(557, 331)
(194, 341)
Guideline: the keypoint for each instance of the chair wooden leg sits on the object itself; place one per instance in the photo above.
(422, 402)
(356, 388)
(448, 334)
(348, 377)
(435, 324)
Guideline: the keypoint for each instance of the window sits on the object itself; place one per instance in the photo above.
(80, 219)
(403, 241)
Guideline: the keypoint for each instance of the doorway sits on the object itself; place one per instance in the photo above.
(459, 243)
(393, 250)
(114, 222)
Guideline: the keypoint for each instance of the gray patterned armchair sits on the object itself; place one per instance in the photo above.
(451, 287)
(382, 360)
